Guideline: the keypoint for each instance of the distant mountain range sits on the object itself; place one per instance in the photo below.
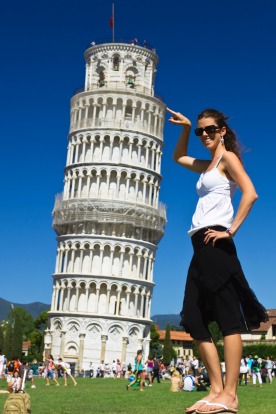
(163, 320)
(36, 308)
(33, 309)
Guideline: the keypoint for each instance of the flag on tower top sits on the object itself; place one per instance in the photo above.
(111, 20)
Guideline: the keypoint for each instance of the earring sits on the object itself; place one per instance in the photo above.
(222, 140)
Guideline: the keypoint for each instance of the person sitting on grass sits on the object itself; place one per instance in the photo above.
(189, 381)
(15, 383)
(176, 381)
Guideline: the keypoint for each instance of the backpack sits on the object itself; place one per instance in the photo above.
(156, 364)
(19, 403)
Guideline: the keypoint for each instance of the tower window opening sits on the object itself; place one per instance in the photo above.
(130, 80)
(130, 77)
(101, 78)
(116, 62)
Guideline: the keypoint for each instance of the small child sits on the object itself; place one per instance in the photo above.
(33, 372)
(176, 381)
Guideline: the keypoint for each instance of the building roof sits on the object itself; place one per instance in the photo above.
(264, 327)
(176, 336)
(271, 313)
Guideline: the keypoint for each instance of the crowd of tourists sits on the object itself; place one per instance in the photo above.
(188, 374)
(17, 373)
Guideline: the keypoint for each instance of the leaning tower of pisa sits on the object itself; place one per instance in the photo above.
(108, 219)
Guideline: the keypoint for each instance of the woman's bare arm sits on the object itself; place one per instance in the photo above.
(181, 149)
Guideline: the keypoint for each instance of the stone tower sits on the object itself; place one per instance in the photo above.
(108, 219)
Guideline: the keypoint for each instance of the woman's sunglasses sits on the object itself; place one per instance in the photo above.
(210, 129)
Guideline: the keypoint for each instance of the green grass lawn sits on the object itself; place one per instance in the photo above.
(110, 396)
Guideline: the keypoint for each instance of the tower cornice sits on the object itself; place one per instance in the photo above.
(114, 90)
(115, 131)
(105, 279)
(120, 47)
(106, 165)
(96, 317)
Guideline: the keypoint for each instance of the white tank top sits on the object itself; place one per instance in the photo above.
(214, 207)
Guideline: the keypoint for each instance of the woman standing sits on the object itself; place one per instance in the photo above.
(216, 288)
(50, 370)
(118, 369)
(138, 370)
(243, 371)
(149, 364)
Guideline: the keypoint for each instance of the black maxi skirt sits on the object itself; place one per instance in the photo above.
(217, 290)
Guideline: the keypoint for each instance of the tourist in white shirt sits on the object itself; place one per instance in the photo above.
(194, 364)
(268, 366)
(243, 371)
(14, 385)
(2, 362)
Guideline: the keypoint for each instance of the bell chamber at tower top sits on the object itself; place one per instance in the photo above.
(119, 91)
(120, 66)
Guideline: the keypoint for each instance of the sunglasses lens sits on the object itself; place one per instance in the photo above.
(199, 131)
(210, 129)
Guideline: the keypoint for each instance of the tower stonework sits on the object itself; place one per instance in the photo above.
(108, 219)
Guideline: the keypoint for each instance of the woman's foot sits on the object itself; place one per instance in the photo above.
(195, 406)
(220, 402)
(201, 403)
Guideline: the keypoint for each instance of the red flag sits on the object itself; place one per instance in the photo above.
(111, 20)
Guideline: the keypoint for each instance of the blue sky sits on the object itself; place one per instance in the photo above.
(217, 54)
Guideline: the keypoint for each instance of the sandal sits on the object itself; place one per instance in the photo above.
(222, 408)
(193, 410)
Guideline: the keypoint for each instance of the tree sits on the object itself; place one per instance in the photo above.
(176, 328)
(168, 351)
(17, 336)
(1, 338)
(41, 321)
(8, 340)
(36, 339)
(26, 320)
(155, 346)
